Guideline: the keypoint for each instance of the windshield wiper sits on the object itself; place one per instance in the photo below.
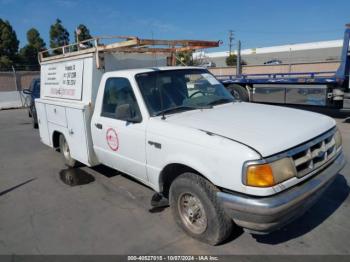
(220, 101)
(180, 108)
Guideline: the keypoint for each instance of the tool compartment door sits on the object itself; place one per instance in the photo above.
(77, 136)
(42, 121)
(56, 115)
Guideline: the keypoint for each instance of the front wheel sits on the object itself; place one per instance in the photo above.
(64, 148)
(197, 211)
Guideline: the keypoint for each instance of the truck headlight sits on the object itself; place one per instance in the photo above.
(269, 174)
(338, 139)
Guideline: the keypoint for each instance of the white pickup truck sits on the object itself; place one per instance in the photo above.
(221, 163)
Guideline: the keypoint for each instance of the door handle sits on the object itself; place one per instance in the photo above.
(155, 144)
(98, 125)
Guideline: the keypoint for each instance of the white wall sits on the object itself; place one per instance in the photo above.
(11, 99)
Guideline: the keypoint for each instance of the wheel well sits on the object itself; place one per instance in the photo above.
(56, 139)
(170, 173)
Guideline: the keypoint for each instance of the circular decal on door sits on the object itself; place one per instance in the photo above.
(112, 139)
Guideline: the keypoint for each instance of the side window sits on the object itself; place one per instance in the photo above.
(119, 101)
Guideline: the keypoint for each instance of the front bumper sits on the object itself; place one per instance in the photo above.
(266, 214)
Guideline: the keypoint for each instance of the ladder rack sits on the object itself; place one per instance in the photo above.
(129, 44)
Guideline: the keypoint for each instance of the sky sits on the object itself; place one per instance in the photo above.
(256, 23)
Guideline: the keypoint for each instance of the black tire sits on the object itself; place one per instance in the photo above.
(34, 118)
(29, 114)
(239, 92)
(35, 123)
(65, 151)
(218, 226)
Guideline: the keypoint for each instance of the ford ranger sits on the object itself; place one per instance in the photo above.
(219, 162)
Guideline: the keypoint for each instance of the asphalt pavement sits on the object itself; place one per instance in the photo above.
(47, 209)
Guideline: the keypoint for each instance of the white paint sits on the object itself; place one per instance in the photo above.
(257, 125)
(56, 115)
(43, 123)
(130, 157)
(71, 114)
(238, 132)
(62, 80)
(10, 99)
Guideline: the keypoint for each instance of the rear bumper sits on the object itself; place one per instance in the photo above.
(266, 214)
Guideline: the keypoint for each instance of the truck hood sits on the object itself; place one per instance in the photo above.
(267, 129)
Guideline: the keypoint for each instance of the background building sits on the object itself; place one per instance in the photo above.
(324, 51)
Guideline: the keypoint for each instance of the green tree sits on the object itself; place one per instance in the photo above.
(184, 58)
(83, 33)
(8, 45)
(29, 53)
(34, 39)
(59, 36)
(231, 60)
(80, 34)
(5, 63)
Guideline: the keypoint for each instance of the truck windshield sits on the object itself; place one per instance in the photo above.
(187, 89)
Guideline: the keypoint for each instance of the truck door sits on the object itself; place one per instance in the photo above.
(118, 131)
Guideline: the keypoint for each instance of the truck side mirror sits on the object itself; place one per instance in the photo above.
(135, 119)
(123, 112)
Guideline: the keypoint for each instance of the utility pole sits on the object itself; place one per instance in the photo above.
(290, 60)
(239, 63)
(230, 38)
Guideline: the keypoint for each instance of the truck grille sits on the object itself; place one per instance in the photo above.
(314, 154)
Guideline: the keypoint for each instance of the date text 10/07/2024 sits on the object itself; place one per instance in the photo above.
(173, 258)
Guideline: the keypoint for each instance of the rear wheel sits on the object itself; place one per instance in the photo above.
(64, 148)
(239, 92)
(197, 211)
(35, 123)
(35, 119)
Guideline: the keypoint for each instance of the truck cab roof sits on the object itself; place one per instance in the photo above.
(151, 69)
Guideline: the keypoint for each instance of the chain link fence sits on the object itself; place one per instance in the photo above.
(12, 83)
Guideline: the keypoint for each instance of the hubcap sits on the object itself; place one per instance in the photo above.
(192, 213)
(65, 149)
